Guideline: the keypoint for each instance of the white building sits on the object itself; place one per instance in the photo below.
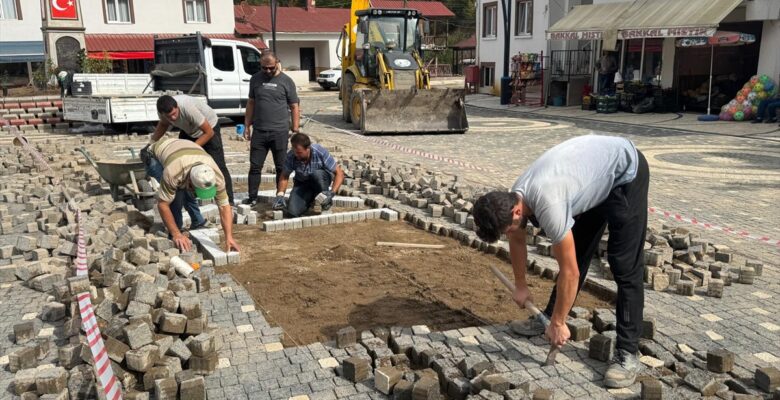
(568, 30)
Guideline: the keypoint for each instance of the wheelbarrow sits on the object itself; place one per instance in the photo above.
(128, 173)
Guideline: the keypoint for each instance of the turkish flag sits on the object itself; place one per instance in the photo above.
(63, 9)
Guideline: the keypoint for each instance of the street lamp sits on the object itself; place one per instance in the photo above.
(274, 4)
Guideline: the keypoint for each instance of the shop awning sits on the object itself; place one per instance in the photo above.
(588, 22)
(14, 52)
(123, 55)
(673, 18)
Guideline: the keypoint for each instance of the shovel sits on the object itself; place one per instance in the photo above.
(535, 311)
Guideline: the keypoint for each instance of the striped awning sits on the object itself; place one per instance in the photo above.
(588, 22)
(674, 18)
(14, 52)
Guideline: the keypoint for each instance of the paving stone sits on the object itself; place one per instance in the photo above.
(204, 365)
(202, 345)
(78, 284)
(516, 394)
(69, 355)
(51, 380)
(155, 373)
(53, 311)
(660, 282)
(472, 366)
(403, 390)
(190, 307)
(767, 379)
(579, 328)
(426, 388)
(604, 320)
(715, 288)
(747, 275)
(495, 383)
(144, 292)
(386, 378)
(24, 358)
(24, 332)
(138, 334)
(685, 288)
(24, 381)
(602, 347)
(543, 394)
(720, 361)
(166, 389)
(702, 382)
(356, 369)
(652, 389)
(173, 323)
(142, 359)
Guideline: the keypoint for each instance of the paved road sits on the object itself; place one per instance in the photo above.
(715, 178)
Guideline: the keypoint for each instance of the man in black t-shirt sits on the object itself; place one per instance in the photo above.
(271, 95)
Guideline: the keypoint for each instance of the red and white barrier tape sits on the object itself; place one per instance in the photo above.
(706, 225)
(105, 373)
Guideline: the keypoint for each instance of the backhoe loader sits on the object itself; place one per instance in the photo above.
(385, 86)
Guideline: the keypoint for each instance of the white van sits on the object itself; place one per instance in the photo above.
(215, 70)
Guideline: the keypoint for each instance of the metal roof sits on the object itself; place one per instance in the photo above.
(145, 42)
(588, 22)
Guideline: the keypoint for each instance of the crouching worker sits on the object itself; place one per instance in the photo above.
(315, 170)
(188, 169)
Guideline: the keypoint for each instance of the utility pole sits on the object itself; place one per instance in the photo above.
(274, 4)
(506, 8)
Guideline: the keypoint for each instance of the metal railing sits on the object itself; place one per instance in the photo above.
(569, 63)
(434, 42)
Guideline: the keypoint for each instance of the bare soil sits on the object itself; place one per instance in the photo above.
(314, 281)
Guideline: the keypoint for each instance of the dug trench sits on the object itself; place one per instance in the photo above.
(314, 281)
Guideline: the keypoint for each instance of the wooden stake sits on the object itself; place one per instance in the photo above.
(411, 245)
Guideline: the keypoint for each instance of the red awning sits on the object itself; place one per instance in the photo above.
(123, 55)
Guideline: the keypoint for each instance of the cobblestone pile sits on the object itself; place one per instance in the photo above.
(156, 334)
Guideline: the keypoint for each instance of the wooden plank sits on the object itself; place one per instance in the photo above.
(411, 245)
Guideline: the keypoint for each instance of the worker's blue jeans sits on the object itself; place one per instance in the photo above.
(183, 198)
(768, 109)
(304, 192)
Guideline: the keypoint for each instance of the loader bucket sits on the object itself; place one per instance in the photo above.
(410, 111)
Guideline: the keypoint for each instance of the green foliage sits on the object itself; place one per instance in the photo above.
(95, 65)
(42, 76)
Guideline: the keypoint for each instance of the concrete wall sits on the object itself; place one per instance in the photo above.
(289, 45)
(26, 29)
(162, 16)
(769, 56)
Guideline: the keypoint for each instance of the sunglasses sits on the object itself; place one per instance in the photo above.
(268, 68)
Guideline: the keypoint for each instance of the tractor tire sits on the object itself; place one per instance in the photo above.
(346, 97)
(357, 110)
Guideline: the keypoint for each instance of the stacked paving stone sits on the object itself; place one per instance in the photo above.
(155, 332)
(404, 370)
(42, 113)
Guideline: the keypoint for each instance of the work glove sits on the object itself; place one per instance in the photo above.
(145, 155)
(328, 202)
(279, 203)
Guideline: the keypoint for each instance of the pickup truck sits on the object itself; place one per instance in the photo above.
(214, 70)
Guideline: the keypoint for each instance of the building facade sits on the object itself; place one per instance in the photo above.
(572, 34)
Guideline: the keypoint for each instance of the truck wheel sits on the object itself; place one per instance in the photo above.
(346, 97)
(357, 110)
(338, 84)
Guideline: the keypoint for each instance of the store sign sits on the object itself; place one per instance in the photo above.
(63, 9)
(580, 35)
(664, 33)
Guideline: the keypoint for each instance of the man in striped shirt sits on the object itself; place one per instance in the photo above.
(315, 170)
(188, 168)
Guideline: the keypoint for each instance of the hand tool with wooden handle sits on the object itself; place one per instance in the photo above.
(540, 316)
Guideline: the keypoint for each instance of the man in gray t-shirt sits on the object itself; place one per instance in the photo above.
(268, 121)
(573, 192)
(198, 123)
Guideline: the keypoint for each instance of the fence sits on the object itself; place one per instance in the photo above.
(568, 63)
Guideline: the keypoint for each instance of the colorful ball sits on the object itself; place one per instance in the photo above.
(724, 116)
(758, 87)
(752, 96)
(753, 80)
(769, 86)
(748, 112)
(754, 109)
(745, 91)
(747, 85)
(763, 78)
(732, 110)
(740, 98)
(739, 116)
(762, 95)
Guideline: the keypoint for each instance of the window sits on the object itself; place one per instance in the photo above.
(118, 11)
(488, 73)
(250, 59)
(489, 20)
(9, 9)
(223, 58)
(196, 11)
(524, 18)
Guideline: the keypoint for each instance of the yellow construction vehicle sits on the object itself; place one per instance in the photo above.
(385, 87)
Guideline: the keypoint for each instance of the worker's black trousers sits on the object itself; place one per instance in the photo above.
(625, 213)
(261, 143)
(214, 148)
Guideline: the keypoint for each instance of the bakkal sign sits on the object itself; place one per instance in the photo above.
(63, 9)
(664, 32)
(581, 35)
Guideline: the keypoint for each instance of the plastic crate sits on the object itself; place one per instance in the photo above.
(607, 104)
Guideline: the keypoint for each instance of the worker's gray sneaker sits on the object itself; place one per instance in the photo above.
(528, 328)
(622, 372)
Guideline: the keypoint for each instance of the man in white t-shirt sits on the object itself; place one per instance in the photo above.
(573, 192)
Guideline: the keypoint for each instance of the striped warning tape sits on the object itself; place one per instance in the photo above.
(706, 225)
(675, 216)
(105, 373)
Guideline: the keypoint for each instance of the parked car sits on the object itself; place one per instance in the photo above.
(330, 78)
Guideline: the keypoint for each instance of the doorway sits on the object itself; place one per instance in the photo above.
(307, 62)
